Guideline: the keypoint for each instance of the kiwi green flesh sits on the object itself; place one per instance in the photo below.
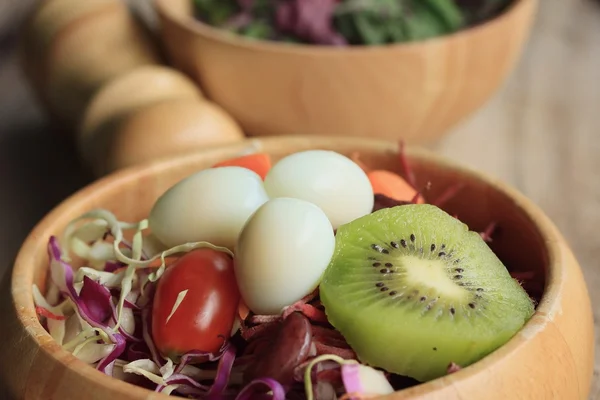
(412, 289)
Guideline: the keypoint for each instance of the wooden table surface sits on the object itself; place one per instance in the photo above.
(541, 133)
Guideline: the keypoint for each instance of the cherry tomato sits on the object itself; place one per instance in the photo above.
(205, 317)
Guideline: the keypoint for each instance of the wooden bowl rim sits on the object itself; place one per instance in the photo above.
(22, 275)
(164, 9)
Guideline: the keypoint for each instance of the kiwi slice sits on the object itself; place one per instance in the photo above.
(412, 289)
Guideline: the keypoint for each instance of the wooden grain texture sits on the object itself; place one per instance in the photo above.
(541, 133)
(415, 90)
(559, 335)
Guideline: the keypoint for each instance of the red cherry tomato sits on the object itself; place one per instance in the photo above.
(205, 317)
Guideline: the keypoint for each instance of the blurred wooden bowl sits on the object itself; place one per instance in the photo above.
(414, 91)
(69, 48)
(550, 358)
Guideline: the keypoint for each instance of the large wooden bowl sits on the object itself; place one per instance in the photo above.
(551, 358)
(415, 91)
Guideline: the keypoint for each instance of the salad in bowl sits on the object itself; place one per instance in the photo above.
(310, 276)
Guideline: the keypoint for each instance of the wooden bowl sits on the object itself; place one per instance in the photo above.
(415, 91)
(550, 358)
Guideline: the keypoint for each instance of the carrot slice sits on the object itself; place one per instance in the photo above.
(243, 310)
(49, 314)
(257, 162)
(392, 185)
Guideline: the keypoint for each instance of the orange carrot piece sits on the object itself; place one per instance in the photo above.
(158, 262)
(41, 311)
(243, 310)
(392, 185)
(257, 162)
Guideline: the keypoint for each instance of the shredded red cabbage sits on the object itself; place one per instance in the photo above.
(128, 304)
(138, 351)
(60, 271)
(106, 365)
(246, 5)
(223, 373)
(324, 368)
(111, 266)
(97, 299)
(147, 324)
(186, 380)
(62, 276)
(260, 387)
(309, 20)
(351, 378)
(187, 386)
(193, 357)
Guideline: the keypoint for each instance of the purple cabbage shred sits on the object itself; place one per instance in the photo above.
(62, 276)
(95, 304)
(258, 387)
(223, 373)
(97, 299)
(309, 20)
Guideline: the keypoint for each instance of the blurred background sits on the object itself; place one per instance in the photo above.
(540, 132)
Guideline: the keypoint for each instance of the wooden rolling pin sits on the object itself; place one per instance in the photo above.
(70, 48)
(150, 113)
(94, 67)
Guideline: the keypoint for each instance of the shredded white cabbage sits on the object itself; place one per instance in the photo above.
(169, 389)
(56, 328)
(127, 321)
(103, 221)
(152, 246)
(180, 296)
(72, 328)
(40, 301)
(97, 237)
(146, 368)
(127, 280)
(168, 369)
(101, 252)
(91, 352)
(106, 279)
(52, 293)
(307, 372)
